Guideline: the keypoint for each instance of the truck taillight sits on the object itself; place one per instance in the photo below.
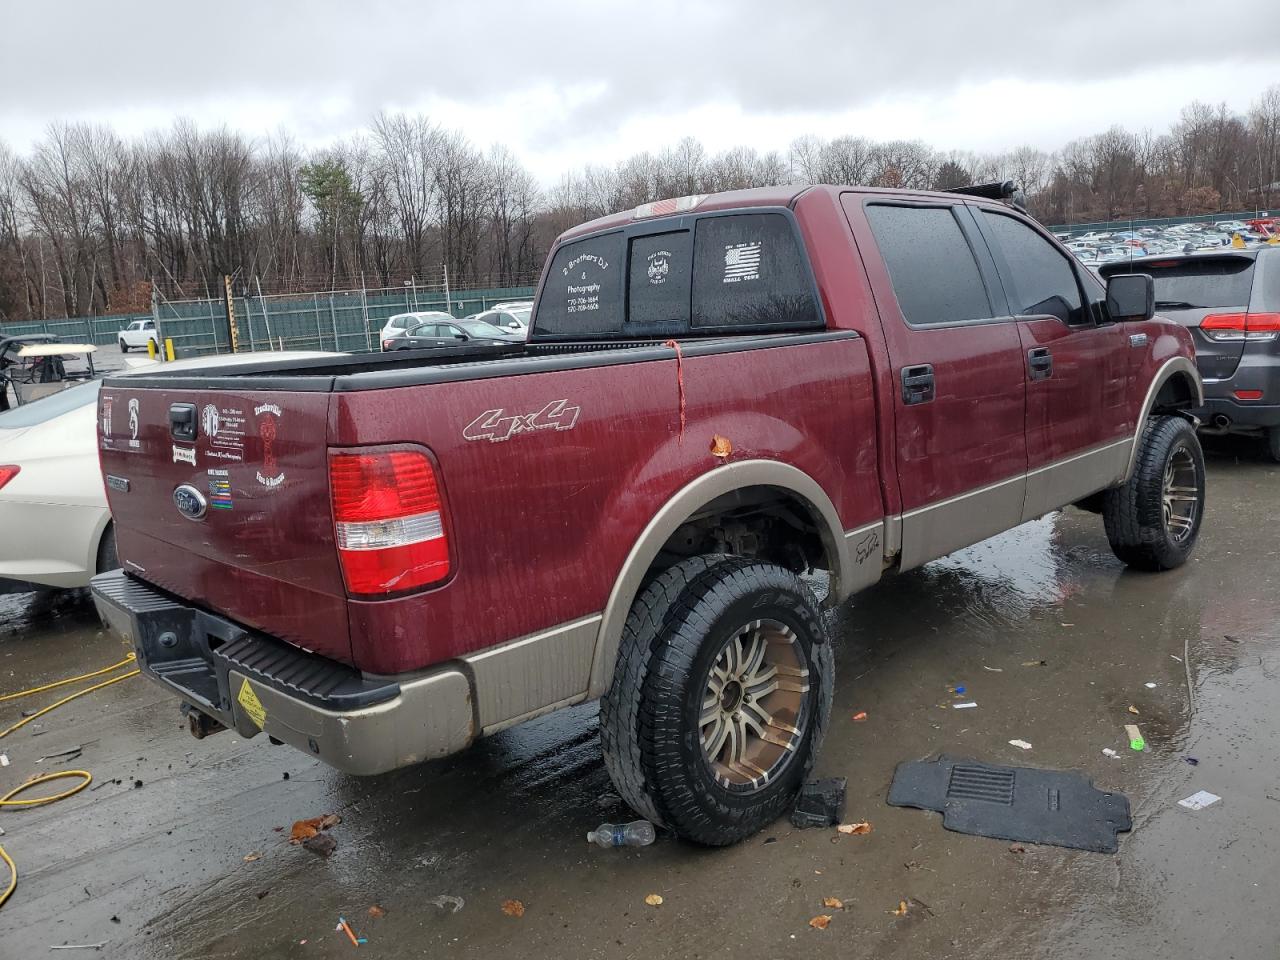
(7, 473)
(1241, 326)
(388, 521)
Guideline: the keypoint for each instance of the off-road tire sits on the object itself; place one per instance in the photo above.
(649, 717)
(1273, 443)
(1133, 513)
(124, 347)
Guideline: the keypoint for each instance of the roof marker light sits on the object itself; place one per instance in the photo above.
(664, 208)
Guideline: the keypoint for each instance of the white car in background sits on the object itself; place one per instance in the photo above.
(55, 530)
(513, 316)
(136, 335)
(399, 323)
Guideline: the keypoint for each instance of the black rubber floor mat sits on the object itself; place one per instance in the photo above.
(1014, 803)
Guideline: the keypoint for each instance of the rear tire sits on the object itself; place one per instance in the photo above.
(1153, 519)
(720, 698)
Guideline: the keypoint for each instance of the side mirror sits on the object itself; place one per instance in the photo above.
(1131, 297)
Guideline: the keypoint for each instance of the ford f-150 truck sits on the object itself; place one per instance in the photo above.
(379, 559)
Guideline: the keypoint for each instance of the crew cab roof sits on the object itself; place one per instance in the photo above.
(780, 196)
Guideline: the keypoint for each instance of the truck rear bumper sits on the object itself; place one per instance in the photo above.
(254, 684)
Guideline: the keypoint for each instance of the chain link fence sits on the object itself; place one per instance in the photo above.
(342, 320)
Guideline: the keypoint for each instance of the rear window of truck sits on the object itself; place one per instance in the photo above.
(722, 273)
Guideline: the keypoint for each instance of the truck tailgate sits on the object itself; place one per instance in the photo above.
(263, 554)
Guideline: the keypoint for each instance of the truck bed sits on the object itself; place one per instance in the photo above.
(410, 367)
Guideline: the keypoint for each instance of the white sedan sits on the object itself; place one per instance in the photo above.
(55, 530)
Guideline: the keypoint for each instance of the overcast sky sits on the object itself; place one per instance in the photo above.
(565, 84)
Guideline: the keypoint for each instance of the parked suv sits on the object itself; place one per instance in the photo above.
(1230, 302)
(719, 395)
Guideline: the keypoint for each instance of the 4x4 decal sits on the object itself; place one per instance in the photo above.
(495, 426)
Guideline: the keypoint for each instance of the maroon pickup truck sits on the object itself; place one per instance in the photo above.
(379, 559)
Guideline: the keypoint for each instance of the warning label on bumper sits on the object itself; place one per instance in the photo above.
(251, 704)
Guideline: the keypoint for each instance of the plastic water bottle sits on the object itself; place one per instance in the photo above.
(638, 833)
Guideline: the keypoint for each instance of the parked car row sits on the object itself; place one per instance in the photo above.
(426, 329)
(1095, 248)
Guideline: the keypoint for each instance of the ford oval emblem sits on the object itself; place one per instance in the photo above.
(190, 502)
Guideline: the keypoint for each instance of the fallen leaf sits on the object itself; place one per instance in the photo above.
(513, 908)
(902, 909)
(654, 899)
(821, 921)
(720, 446)
(1017, 848)
(250, 857)
(302, 829)
(835, 903)
(377, 912)
(860, 716)
(855, 828)
(1133, 709)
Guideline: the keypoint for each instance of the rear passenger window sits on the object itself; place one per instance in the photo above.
(583, 292)
(934, 274)
(749, 271)
(1039, 279)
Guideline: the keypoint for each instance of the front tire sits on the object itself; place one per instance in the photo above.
(124, 347)
(1153, 519)
(720, 698)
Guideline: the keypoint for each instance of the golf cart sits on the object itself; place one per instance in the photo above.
(36, 365)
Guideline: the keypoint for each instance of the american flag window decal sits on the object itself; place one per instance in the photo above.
(741, 262)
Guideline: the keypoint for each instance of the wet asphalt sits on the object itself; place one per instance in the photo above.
(178, 851)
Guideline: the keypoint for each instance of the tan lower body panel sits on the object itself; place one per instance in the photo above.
(520, 679)
(1067, 481)
(431, 718)
(941, 528)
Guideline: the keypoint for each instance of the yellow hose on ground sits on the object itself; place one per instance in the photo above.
(85, 776)
(8, 801)
(62, 683)
(40, 713)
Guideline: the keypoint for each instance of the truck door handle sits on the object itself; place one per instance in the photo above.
(1040, 363)
(917, 384)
